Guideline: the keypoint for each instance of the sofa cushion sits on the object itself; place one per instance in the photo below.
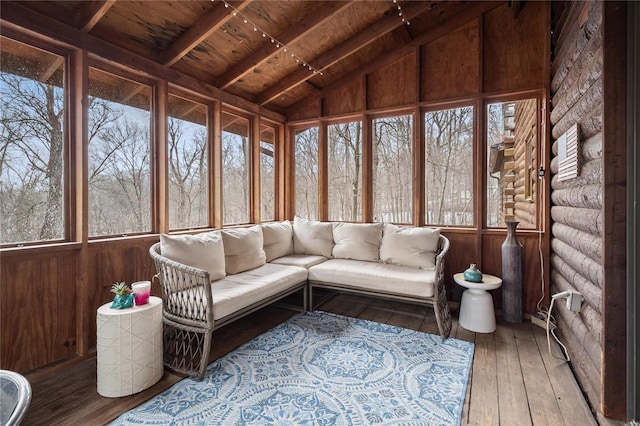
(358, 241)
(202, 251)
(235, 292)
(302, 260)
(312, 237)
(278, 239)
(243, 249)
(375, 276)
(409, 246)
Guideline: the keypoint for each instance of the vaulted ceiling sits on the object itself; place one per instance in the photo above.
(272, 53)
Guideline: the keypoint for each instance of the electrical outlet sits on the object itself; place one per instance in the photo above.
(574, 301)
(540, 320)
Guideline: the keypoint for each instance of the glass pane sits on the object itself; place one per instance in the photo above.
(267, 173)
(307, 173)
(187, 154)
(512, 152)
(32, 144)
(345, 174)
(235, 169)
(392, 171)
(119, 155)
(449, 167)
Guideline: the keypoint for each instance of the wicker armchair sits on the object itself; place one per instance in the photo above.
(441, 305)
(187, 314)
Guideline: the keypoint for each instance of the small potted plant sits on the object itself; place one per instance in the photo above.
(123, 296)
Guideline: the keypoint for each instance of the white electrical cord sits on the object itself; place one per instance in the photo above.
(541, 309)
(566, 352)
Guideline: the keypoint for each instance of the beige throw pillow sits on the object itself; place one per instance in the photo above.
(278, 239)
(243, 249)
(312, 237)
(409, 246)
(358, 241)
(203, 251)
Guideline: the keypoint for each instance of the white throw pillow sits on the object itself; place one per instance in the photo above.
(312, 237)
(409, 246)
(358, 241)
(243, 249)
(278, 239)
(203, 251)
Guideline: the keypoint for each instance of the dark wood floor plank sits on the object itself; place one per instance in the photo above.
(483, 403)
(573, 406)
(69, 396)
(464, 334)
(350, 305)
(429, 324)
(512, 395)
(409, 316)
(543, 406)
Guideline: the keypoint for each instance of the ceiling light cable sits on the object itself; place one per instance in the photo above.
(247, 21)
(400, 14)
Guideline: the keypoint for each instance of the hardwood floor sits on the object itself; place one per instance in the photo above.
(514, 380)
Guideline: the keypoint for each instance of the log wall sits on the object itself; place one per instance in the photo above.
(576, 211)
(579, 205)
(526, 164)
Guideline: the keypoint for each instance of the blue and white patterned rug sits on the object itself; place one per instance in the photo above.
(319, 368)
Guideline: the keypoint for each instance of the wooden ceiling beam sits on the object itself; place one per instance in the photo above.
(474, 11)
(290, 35)
(90, 13)
(196, 34)
(55, 64)
(17, 17)
(344, 49)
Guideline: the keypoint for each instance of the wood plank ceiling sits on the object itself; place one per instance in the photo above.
(228, 44)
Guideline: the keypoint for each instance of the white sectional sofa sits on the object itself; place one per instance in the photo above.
(216, 277)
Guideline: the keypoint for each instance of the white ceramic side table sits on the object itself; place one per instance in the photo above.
(129, 348)
(476, 307)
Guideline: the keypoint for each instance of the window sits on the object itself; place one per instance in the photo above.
(306, 152)
(345, 171)
(119, 155)
(512, 152)
(267, 173)
(32, 144)
(236, 160)
(187, 156)
(392, 171)
(449, 167)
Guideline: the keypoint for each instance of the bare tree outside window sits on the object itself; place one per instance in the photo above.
(306, 157)
(345, 171)
(267, 173)
(236, 160)
(448, 167)
(32, 144)
(187, 152)
(512, 152)
(119, 155)
(392, 169)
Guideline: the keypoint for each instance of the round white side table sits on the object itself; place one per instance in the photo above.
(476, 307)
(129, 348)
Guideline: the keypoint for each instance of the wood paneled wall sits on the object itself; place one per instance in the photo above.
(488, 56)
(39, 304)
(579, 205)
(48, 313)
